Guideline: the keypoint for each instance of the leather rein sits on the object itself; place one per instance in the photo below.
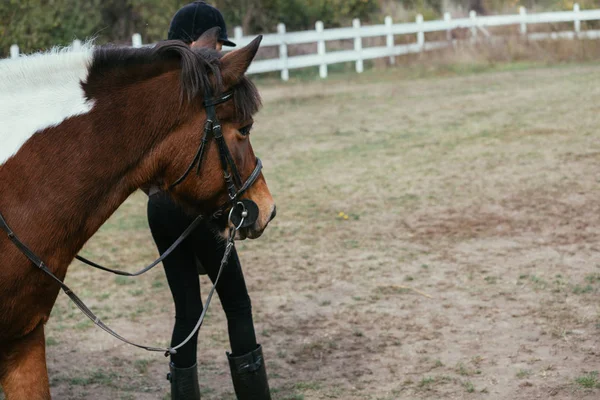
(240, 216)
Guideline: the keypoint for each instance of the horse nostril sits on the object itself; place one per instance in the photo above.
(274, 213)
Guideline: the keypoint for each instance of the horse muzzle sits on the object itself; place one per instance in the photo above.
(245, 216)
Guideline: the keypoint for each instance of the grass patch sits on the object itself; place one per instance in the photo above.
(592, 278)
(83, 325)
(388, 290)
(582, 289)
(463, 370)
(141, 365)
(589, 380)
(103, 296)
(426, 381)
(477, 360)
(98, 377)
(523, 373)
(308, 386)
(538, 282)
(158, 284)
(136, 292)
(50, 341)
(469, 387)
(123, 281)
(293, 397)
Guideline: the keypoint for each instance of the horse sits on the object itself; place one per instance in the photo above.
(81, 131)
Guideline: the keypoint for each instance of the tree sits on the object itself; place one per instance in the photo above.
(36, 25)
(40, 24)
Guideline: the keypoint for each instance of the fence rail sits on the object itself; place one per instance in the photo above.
(474, 23)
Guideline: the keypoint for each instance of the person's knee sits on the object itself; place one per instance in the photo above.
(238, 307)
(190, 317)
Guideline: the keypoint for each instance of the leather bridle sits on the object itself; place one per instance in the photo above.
(233, 180)
(243, 213)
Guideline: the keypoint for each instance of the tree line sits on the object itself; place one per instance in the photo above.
(40, 24)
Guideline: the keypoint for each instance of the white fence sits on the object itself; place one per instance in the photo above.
(475, 24)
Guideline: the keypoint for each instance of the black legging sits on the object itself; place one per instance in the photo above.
(167, 221)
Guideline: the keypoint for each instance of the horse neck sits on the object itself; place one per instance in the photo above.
(65, 182)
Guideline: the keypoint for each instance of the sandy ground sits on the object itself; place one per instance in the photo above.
(436, 238)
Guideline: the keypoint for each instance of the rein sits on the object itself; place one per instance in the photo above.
(90, 314)
(243, 213)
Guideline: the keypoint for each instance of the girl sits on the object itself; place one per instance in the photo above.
(201, 253)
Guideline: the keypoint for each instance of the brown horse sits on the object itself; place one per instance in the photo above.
(80, 132)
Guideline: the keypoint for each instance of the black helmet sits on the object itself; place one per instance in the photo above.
(194, 19)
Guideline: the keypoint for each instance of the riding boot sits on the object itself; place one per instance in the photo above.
(249, 375)
(184, 383)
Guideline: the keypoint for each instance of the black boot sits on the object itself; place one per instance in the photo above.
(249, 376)
(184, 383)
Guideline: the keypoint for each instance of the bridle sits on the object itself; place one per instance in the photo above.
(243, 213)
(235, 187)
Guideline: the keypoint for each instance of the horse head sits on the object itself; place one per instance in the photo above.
(210, 149)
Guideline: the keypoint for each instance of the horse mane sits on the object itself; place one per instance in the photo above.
(200, 69)
(65, 82)
(41, 68)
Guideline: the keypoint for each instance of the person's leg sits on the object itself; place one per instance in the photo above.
(238, 308)
(167, 221)
(231, 289)
(246, 361)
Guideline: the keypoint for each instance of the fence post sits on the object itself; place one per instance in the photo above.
(358, 45)
(321, 49)
(238, 33)
(283, 52)
(136, 40)
(420, 33)
(473, 16)
(447, 19)
(577, 21)
(523, 14)
(389, 40)
(14, 51)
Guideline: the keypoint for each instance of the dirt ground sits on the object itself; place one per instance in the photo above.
(437, 238)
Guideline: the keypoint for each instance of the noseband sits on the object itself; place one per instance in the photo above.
(233, 181)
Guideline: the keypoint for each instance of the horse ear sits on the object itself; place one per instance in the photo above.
(235, 64)
(208, 39)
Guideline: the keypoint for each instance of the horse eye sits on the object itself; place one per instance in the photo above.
(245, 131)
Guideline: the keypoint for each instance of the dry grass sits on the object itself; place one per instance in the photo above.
(480, 190)
(507, 47)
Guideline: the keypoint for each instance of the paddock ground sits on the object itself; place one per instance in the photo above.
(437, 237)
